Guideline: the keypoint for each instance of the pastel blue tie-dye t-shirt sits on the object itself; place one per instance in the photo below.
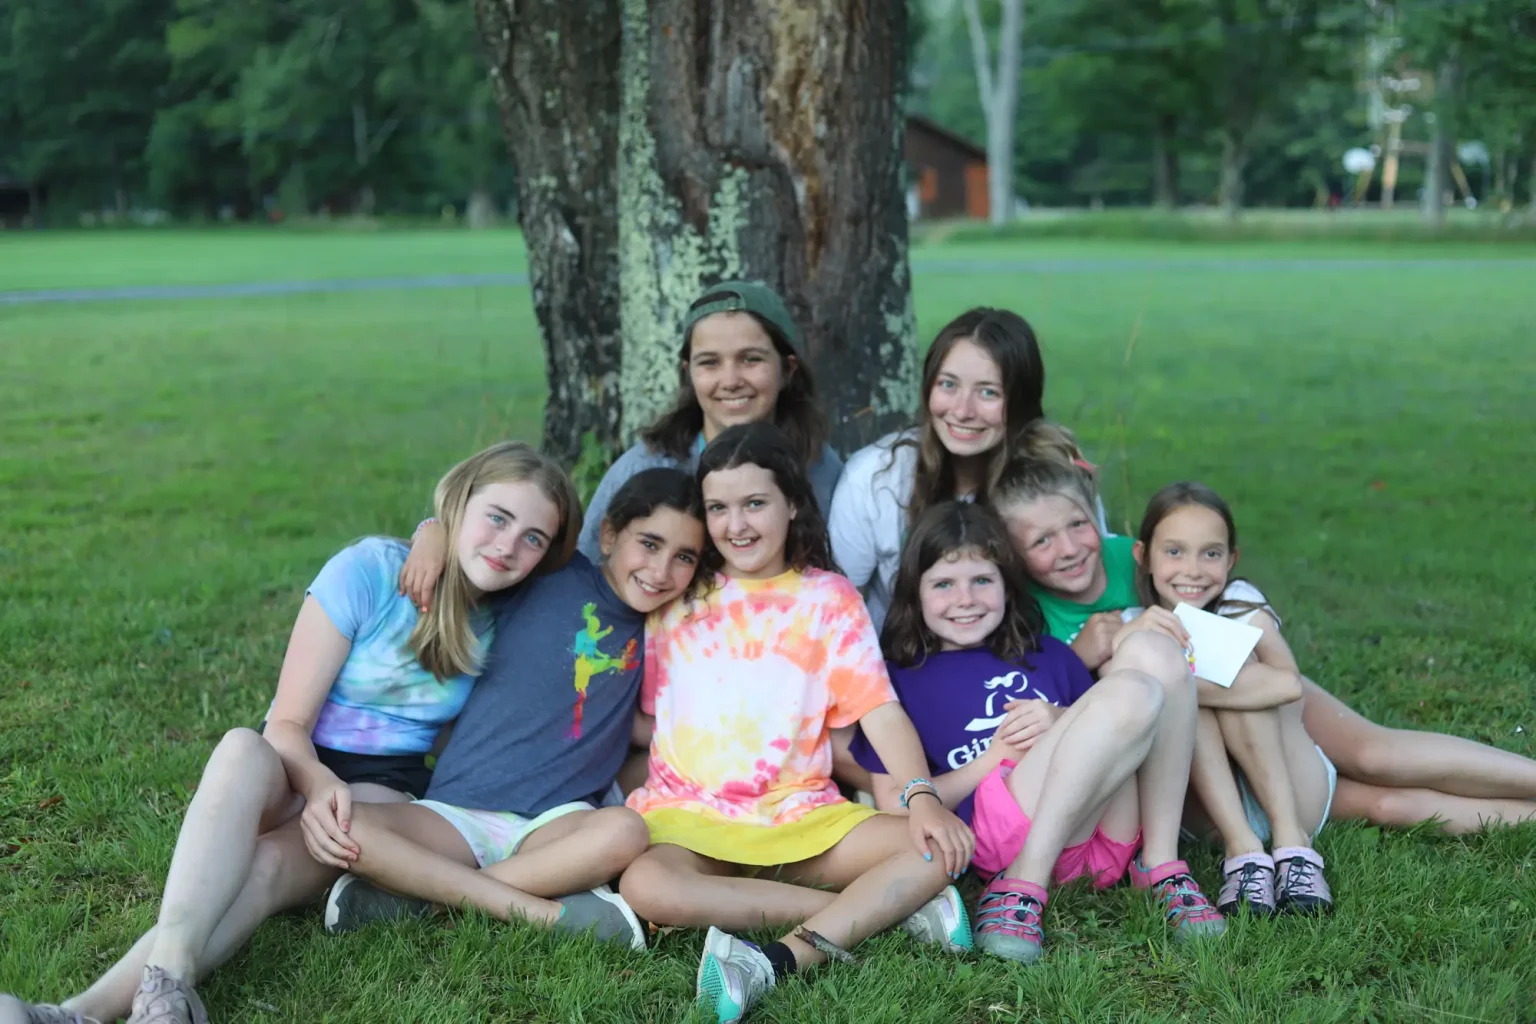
(383, 701)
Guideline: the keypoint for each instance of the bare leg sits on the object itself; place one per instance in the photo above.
(243, 792)
(1163, 778)
(283, 875)
(1404, 808)
(1309, 776)
(1256, 743)
(412, 850)
(671, 886)
(882, 877)
(1213, 782)
(1367, 752)
(577, 852)
(1065, 782)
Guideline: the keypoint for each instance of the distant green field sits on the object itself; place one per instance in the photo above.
(174, 473)
(99, 259)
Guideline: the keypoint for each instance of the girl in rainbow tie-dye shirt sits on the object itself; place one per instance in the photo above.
(744, 680)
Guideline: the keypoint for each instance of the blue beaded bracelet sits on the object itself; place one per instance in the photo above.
(921, 784)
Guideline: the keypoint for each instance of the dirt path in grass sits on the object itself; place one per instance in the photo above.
(925, 265)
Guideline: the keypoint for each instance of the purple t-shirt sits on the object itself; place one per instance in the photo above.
(956, 698)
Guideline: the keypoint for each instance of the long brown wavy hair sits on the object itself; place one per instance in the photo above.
(1009, 342)
(443, 640)
(945, 530)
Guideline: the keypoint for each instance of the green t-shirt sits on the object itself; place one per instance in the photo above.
(1064, 619)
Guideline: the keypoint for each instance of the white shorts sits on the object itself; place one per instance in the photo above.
(496, 835)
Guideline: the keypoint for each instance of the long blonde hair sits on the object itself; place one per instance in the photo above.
(443, 640)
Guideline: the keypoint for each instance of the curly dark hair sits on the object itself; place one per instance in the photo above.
(765, 445)
(947, 529)
(652, 489)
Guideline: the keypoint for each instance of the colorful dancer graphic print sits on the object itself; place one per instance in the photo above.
(590, 661)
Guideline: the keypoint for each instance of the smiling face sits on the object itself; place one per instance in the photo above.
(963, 599)
(1060, 545)
(506, 531)
(735, 371)
(966, 403)
(1190, 557)
(748, 519)
(653, 558)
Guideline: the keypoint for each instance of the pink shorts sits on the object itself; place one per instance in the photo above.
(1001, 828)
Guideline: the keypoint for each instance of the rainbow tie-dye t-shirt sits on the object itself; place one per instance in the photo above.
(383, 701)
(745, 683)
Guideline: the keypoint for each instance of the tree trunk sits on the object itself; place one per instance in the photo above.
(1530, 184)
(999, 91)
(1165, 164)
(767, 144)
(1442, 145)
(554, 66)
(480, 210)
(1234, 161)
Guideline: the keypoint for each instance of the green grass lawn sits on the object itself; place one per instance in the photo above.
(174, 473)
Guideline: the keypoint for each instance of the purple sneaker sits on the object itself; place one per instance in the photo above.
(162, 999)
(1248, 883)
(14, 1011)
(1303, 890)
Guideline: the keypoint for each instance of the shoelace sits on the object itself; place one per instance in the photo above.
(1250, 884)
(1298, 874)
(1183, 897)
(1016, 910)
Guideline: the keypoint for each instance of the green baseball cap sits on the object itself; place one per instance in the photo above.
(744, 297)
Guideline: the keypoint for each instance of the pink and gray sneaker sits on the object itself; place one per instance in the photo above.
(1303, 890)
(1008, 920)
(1248, 883)
(1185, 907)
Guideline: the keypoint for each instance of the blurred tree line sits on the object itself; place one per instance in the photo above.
(245, 108)
(1247, 102)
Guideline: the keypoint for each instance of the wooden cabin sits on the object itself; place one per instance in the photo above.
(949, 171)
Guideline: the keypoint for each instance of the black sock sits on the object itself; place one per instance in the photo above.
(782, 958)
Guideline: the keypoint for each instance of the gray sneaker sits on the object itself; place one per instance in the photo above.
(604, 913)
(354, 902)
(14, 1011)
(162, 999)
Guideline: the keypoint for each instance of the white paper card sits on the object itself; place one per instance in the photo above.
(1221, 646)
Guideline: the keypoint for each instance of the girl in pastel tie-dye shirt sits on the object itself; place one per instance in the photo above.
(365, 685)
(744, 680)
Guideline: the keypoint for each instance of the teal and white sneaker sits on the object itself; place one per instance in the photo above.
(942, 921)
(733, 975)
